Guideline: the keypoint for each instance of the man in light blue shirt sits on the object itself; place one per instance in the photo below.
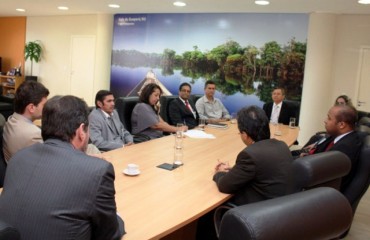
(209, 107)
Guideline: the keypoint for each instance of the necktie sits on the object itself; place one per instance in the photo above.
(187, 105)
(330, 145)
(111, 124)
(275, 114)
(312, 150)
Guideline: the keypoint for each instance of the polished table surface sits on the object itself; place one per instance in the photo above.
(157, 202)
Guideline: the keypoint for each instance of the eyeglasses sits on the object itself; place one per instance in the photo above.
(184, 90)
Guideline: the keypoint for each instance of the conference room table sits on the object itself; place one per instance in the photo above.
(158, 202)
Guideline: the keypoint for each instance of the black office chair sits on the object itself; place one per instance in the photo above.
(195, 97)
(8, 232)
(320, 213)
(124, 107)
(6, 106)
(320, 170)
(295, 107)
(165, 104)
(361, 180)
(364, 121)
(3, 164)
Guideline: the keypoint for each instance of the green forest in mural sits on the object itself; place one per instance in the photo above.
(231, 65)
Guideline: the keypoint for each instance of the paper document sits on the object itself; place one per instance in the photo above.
(198, 134)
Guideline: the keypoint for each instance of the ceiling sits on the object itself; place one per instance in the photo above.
(78, 7)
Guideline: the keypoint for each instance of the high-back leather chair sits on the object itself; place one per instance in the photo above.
(165, 104)
(316, 214)
(6, 106)
(322, 169)
(295, 106)
(364, 121)
(195, 97)
(361, 180)
(8, 232)
(363, 130)
(3, 164)
(124, 107)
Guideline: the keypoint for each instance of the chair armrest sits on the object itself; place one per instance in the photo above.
(6, 99)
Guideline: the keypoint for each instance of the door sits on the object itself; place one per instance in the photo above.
(363, 96)
(82, 67)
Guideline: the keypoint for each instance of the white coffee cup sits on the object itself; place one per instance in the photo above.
(233, 119)
(132, 168)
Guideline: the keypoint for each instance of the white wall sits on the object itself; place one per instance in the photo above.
(332, 65)
(316, 95)
(55, 33)
(352, 32)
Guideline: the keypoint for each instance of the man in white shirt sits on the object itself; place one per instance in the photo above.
(209, 107)
(278, 111)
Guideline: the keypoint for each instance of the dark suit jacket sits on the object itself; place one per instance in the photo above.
(286, 112)
(179, 113)
(349, 145)
(53, 191)
(262, 171)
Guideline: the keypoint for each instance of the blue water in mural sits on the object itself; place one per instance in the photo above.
(141, 39)
(121, 86)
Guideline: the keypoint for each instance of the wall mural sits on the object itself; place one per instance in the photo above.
(246, 54)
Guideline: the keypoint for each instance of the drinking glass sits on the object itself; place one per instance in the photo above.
(202, 123)
(178, 156)
(292, 122)
(180, 127)
(277, 129)
(178, 139)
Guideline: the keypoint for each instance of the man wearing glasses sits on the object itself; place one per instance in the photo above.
(182, 109)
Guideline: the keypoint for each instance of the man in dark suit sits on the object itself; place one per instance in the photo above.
(262, 170)
(278, 111)
(182, 109)
(340, 127)
(54, 190)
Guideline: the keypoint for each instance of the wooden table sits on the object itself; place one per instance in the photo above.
(158, 202)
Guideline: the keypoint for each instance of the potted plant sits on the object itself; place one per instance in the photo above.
(32, 51)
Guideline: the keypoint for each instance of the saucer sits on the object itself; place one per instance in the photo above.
(125, 171)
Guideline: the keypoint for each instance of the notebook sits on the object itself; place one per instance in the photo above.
(218, 125)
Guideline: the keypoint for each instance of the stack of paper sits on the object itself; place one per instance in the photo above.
(198, 134)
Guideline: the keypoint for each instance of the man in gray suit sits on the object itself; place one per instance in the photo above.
(54, 190)
(106, 129)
